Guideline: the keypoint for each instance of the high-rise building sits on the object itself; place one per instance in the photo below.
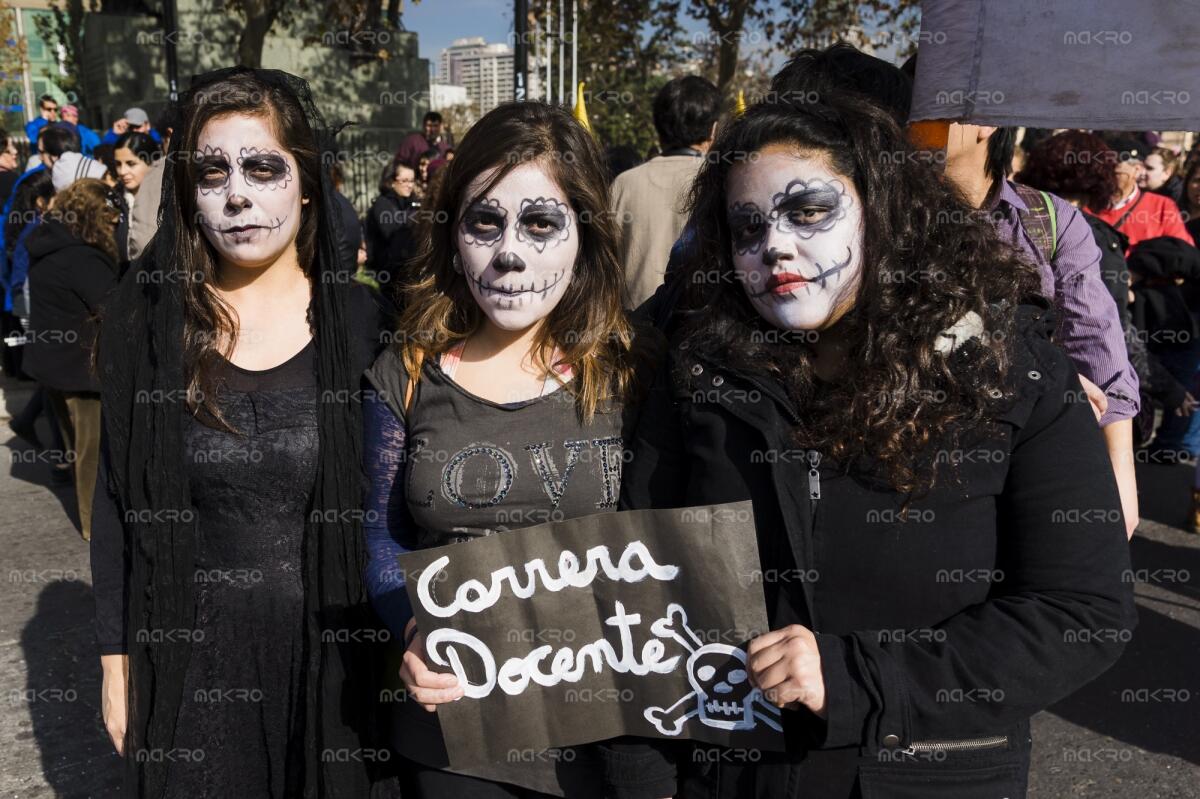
(484, 70)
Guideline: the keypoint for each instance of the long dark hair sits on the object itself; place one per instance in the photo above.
(209, 324)
(37, 186)
(588, 325)
(928, 260)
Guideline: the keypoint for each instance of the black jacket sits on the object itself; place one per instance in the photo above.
(1162, 306)
(68, 282)
(939, 636)
(1156, 382)
(389, 234)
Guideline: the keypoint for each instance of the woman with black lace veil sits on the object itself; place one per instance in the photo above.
(227, 548)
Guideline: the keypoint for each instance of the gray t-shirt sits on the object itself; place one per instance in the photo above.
(474, 467)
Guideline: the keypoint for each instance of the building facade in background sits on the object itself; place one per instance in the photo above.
(484, 70)
(28, 78)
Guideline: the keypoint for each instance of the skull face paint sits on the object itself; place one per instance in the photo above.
(517, 245)
(796, 229)
(247, 191)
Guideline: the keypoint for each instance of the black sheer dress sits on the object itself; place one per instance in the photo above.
(240, 721)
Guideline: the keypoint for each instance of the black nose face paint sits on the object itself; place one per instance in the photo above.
(772, 256)
(509, 262)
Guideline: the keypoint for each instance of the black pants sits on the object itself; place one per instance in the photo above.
(421, 782)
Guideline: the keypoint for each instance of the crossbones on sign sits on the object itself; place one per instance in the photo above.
(721, 696)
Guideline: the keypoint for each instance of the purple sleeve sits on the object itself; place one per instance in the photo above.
(1089, 326)
(384, 514)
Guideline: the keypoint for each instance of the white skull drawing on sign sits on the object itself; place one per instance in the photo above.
(722, 696)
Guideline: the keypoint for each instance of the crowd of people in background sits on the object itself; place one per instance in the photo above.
(1101, 225)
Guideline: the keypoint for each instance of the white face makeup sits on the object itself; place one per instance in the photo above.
(797, 238)
(517, 245)
(247, 191)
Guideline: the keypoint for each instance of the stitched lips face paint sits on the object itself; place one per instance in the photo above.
(518, 245)
(797, 238)
(247, 191)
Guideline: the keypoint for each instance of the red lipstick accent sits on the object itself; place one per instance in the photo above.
(784, 282)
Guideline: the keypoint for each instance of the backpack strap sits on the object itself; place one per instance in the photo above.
(1040, 219)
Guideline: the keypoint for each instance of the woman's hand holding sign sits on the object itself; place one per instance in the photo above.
(785, 665)
(427, 687)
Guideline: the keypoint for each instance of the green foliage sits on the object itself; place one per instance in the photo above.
(62, 31)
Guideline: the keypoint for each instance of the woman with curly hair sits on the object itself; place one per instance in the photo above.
(73, 267)
(939, 528)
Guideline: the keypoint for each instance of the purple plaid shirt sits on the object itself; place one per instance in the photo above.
(1089, 328)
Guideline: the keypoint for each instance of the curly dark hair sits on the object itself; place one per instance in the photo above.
(86, 210)
(1073, 164)
(928, 260)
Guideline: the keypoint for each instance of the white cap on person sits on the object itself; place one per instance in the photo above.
(136, 117)
(72, 167)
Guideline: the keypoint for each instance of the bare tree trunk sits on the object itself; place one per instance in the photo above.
(727, 27)
(260, 16)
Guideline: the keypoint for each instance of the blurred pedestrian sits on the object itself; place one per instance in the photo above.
(135, 153)
(425, 170)
(47, 113)
(72, 167)
(1161, 174)
(1081, 168)
(1138, 214)
(31, 203)
(9, 171)
(88, 138)
(1190, 202)
(390, 222)
(143, 217)
(135, 120)
(73, 255)
(430, 137)
(351, 235)
(648, 200)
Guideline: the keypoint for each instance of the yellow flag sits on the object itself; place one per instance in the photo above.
(581, 115)
(739, 105)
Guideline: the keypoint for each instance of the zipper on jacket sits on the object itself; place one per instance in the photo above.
(814, 476)
(963, 745)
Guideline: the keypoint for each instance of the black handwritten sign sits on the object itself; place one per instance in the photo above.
(630, 623)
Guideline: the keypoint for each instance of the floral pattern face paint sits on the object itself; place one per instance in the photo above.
(517, 245)
(247, 191)
(797, 238)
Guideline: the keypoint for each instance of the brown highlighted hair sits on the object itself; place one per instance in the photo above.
(84, 209)
(588, 326)
(1073, 164)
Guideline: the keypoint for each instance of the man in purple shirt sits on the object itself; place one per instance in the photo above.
(430, 137)
(1089, 328)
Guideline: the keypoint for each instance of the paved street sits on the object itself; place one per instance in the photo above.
(1135, 732)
